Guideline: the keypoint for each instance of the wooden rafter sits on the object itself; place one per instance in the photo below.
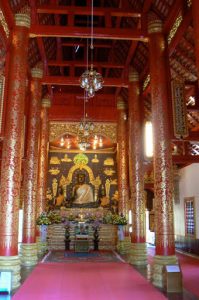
(175, 41)
(74, 81)
(40, 43)
(80, 32)
(76, 63)
(81, 10)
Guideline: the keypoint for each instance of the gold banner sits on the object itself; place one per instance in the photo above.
(179, 109)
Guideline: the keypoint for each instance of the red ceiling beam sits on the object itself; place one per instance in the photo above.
(187, 18)
(40, 43)
(74, 81)
(83, 44)
(127, 63)
(177, 7)
(81, 10)
(70, 95)
(80, 32)
(68, 63)
(180, 32)
(185, 159)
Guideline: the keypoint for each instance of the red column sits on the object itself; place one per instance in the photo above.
(43, 157)
(138, 254)
(163, 181)
(12, 146)
(136, 160)
(123, 188)
(29, 247)
(195, 13)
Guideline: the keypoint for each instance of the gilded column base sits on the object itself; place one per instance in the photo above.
(124, 246)
(11, 263)
(28, 254)
(159, 262)
(138, 254)
(42, 247)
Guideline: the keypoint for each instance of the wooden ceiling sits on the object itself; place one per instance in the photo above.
(60, 38)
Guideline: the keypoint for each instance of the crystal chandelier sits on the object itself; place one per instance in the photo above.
(85, 129)
(91, 80)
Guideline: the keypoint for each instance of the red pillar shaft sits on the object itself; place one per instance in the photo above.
(12, 146)
(195, 13)
(31, 163)
(123, 188)
(162, 151)
(136, 160)
(43, 158)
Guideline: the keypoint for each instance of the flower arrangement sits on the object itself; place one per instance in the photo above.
(48, 218)
(114, 219)
(51, 217)
(119, 220)
(43, 219)
(54, 217)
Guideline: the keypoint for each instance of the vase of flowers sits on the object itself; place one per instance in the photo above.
(120, 221)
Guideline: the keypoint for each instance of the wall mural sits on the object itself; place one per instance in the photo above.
(82, 180)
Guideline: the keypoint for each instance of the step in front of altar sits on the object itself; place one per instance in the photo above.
(56, 237)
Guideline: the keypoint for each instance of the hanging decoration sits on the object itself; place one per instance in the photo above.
(91, 81)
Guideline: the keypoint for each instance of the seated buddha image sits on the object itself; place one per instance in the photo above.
(82, 192)
(60, 198)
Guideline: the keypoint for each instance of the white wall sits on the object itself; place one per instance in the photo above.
(189, 187)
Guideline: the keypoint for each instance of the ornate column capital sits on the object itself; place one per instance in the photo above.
(37, 72)
(121, 104)
(22, 19)
(133, 75)
(46, 102)
(154, 25)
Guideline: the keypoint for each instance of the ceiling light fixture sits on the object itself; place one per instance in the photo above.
(91, 80)
(85, 129)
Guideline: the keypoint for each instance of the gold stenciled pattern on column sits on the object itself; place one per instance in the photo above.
(122, 158)
(135, 160)
(57, 129)
(43, 157)
(31, 163)
(163, 182)
(12, 147)
(4, 23)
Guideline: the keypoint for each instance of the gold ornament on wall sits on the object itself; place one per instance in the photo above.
(115, 196)
(54, 160)
(109, 172)
(54, 187)
(95, 159)
(179, 109)
(66, 158)
(114, 181)
(58, 129)
(80, 160)
(54, 171)
(109, 161)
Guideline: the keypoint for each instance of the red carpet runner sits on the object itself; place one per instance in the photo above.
(86, 281)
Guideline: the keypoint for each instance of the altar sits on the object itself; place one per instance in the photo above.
(56, 238)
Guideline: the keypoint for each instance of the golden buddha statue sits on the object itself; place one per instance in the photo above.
(82, 192)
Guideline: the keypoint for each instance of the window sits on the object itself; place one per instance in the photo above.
(189, 217)
(148, 139)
